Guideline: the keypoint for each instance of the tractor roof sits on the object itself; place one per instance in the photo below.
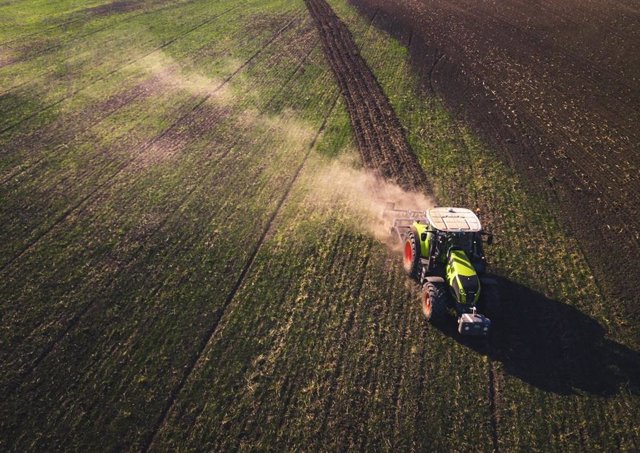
(454, 220)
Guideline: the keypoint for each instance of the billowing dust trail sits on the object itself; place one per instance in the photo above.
(364, 195)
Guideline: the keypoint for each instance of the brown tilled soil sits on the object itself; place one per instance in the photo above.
(555, 88)
(379, 136)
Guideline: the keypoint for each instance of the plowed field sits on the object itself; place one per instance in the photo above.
(191, 256)
(555, 88)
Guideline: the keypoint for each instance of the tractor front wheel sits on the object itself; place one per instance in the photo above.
(434, 304)
(411, 255)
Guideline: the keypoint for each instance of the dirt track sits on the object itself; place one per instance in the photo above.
(378, 133)
(554, 87)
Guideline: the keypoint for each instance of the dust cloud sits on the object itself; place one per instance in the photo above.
(169, 74)
(294, 133)
(364, 196)
(341, 185)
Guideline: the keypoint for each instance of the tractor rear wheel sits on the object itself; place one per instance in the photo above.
(411, 257)
(434, 303)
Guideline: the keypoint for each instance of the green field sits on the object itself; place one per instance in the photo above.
(184, 265)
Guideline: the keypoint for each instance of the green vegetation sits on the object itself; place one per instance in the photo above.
(172, 271)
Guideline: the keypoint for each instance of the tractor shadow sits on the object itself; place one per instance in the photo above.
(553, 346)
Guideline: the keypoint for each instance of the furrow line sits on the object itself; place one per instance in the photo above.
(371, 114)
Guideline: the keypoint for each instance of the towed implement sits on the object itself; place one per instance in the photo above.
(443, 252)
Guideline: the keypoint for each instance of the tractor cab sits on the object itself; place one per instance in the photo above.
(455, 229)
(443, 251)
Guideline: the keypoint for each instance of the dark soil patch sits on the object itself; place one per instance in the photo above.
(379, 135)
(114, 8)
(555, 88)
(6, 58)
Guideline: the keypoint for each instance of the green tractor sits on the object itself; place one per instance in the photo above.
(443, 252)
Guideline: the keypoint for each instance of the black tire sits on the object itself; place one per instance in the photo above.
(411, 255)
(489, 301)
(434, 302)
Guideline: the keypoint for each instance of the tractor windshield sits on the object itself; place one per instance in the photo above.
(462, 240)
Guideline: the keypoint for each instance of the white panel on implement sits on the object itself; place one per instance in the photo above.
(454, 220)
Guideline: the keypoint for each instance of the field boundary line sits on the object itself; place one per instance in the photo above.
(148, 443)
(144, 147)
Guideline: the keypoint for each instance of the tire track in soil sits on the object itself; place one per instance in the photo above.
(118, 68)
(379, 135)
(183, 119)
(148, 443)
